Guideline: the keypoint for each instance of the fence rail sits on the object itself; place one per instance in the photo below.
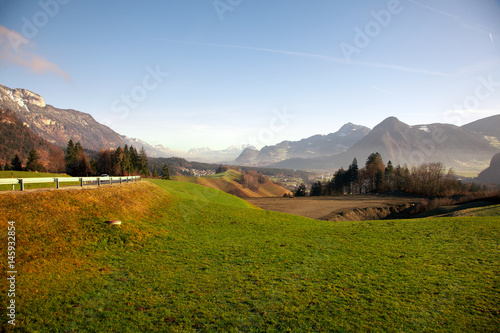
(58, 180)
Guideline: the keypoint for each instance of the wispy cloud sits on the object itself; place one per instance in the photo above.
(316, 57)
(384, 91)
(15, 49)
(471, 25)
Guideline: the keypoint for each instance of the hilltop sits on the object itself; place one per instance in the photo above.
(231, 182)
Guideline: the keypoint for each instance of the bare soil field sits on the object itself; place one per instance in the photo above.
(340, 208)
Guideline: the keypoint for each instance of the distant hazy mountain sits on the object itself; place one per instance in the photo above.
(206, 154)
(492, 173)
(402, 144)
(151, 151)
(314, 146)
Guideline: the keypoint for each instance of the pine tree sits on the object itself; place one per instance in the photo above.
(33, 164)
(352, 175)
(166, 172)
(316, 189)
(134, 158)
(126, 165)
(301, 190)
(117, 162)
(70, 151)
(70, 158)
(16, 163)
(143, 163)
(389, 176)
(155, 171)
(77, 162)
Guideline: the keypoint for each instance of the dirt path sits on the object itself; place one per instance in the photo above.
(327, 208)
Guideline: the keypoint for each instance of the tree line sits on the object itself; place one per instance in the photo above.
(76, 162)
(427, 179)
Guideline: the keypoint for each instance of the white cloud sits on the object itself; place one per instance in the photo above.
(15, 49)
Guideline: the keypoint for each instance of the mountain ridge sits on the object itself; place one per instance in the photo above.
(313, 146)
(456, 147)
(58, 126)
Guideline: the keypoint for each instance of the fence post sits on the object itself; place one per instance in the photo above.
(21, 182)
(81, 182)
(57, 183)
(98, 181)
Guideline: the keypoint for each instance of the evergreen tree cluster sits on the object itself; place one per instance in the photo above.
(32, 163)
(428, 179)
(122, 162)
(77, 162)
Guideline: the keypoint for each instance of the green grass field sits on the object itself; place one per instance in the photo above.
(189, 258)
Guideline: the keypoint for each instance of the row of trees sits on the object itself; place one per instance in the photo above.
(32, 164)
(77, 163)
(122, 161)
(428, 179)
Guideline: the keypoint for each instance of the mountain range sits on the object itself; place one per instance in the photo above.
(468, 149)
(312, 147)
(465, 150)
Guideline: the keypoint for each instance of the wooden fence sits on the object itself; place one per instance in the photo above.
(59, 180)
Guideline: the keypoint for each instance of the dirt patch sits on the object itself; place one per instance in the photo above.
(352, 208)
(374, 213)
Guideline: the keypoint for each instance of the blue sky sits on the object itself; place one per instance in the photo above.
(228, 72)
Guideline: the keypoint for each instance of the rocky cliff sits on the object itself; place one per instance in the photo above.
(58, 126)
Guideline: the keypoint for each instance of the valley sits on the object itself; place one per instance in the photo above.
(191, 258)
(250, 166)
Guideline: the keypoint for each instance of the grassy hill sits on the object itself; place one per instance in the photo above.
(228, 182)
(188, 258)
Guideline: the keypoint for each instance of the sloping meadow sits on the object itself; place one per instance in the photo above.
(189, 258)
